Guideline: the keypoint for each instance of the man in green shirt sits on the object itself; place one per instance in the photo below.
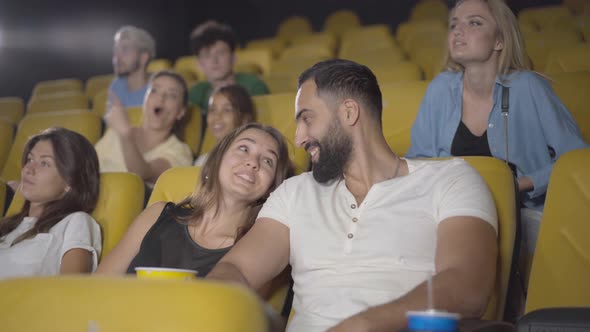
(214, 45)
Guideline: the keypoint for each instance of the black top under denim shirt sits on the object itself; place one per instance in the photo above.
(467, 144)
(169, 244)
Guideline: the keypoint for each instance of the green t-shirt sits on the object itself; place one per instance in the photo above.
(199, 94)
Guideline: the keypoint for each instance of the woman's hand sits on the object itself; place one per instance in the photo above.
(116, 116)
(525, 184)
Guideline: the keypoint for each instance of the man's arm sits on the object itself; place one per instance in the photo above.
(258, 257)
(465, 263)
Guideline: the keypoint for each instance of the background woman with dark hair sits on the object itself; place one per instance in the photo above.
(229, 108)
(241, 171)
(53, 233)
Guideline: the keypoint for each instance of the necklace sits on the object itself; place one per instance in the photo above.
(194, 236)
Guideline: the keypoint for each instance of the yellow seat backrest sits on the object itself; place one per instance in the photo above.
(341, 21)
(6, 139)
(429, 9)
(99, 102)
(57, 86)
(282, 82)
(560, 272)
(91, 303)
(311, 50)
(500, 181)
(120, 200)
(293, 26)
(377, 58)
(278, 111)
(156, 65)
(368, 38)
(175, 184)
(430, 60)
(539, 45)
(261, 57)
(401, 102)
(57, 102)
(398, 72)
(84, 122)
(12, 109)
(295, 66)
(188, 63)
(572, 89)
(543, 16)
(568, 60)
(275, 45)
(97, 83)
(407, 31)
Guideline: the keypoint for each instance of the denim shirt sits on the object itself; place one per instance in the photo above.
(128, 98)
(537, 120)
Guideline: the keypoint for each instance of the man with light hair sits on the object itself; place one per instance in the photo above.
(132, 51)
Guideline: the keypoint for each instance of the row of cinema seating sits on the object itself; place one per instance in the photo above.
(104, 302)
(400, 104)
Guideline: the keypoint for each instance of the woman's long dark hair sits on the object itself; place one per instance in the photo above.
(77, 164)
(207, 195)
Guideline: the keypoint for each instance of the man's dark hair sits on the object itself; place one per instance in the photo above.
(209, 33)
(342, 79)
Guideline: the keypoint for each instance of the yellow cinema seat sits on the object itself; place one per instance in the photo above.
(401, 102)
(561, 264)
(98, 304)
(12, 109)
(97, 83)
(57, 86)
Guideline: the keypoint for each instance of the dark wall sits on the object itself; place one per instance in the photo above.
(49, 39)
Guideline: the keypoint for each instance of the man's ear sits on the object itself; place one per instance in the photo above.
(350, 111)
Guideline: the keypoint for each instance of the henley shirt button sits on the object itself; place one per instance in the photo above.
(353, 206)
(354, 220)
(350, 235)
(491, 125)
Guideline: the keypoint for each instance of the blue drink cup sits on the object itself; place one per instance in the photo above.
(432, 321)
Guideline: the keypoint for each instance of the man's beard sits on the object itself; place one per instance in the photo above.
(334, 149)
(126, 71)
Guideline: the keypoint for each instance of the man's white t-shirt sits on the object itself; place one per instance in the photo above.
(346, 258)
(42, 254)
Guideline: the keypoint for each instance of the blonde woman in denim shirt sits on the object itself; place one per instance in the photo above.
(461, 113)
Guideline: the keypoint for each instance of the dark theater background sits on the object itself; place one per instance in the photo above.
(41, 39)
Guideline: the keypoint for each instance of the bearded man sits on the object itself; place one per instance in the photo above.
(365, 229)
(132, 52)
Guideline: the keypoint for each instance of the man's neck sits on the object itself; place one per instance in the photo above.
(137, 80)
(371, 162)
(229, 79)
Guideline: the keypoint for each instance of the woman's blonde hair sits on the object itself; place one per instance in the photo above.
(513, 55)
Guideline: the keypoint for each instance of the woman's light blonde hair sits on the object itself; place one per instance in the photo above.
(513, 55)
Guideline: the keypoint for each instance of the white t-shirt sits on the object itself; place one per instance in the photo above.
(346, 258)
(42, 255)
